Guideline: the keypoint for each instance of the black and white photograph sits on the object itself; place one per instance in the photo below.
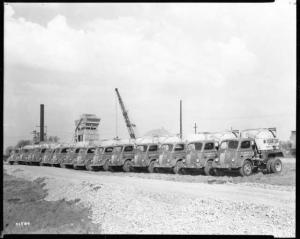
(149, 118)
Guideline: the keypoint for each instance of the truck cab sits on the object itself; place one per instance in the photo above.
(97, 160)
(88, 156)
(171, 156)
(243, 155)
(59, 155)
(67, 161)
(122, 156)
(102, 157)
(13, 156)
(145, 156)
(47, 156)
(200, 155)
(78, 157)
(37, 155)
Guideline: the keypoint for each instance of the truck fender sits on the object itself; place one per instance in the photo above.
(151, 161)
(246, 159)
(209, 159)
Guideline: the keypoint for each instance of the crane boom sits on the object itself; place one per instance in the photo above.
(125, 114)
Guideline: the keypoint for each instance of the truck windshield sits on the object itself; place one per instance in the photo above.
(209, 146)
(167, 147)
(245, 144)
(128, 148)
(65, 150)
(91, 150)
(179, 147)
(142, 148)
(108, 150)
(233, 144)
(153, 148)
(195, 146)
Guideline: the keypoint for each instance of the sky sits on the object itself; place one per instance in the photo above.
(232, 65)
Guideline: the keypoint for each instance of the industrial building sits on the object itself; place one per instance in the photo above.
(86, 128)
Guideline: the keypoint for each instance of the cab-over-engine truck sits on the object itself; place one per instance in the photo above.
(58, 156)
(146, 154)
(37, 155)
(200, 155)
(255, 149)
(122, 156)
(171, 156)
(102, 157)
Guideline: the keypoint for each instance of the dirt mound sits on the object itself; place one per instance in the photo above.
(26, 211)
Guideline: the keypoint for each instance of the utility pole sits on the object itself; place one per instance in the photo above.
(42, 123)
(195, 127)
(180, 119)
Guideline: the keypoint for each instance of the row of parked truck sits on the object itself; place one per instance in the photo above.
(215, 153)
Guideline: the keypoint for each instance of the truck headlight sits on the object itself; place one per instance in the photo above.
(197, 160)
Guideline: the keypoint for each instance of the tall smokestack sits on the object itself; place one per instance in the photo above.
(180, 119)
(41, 122)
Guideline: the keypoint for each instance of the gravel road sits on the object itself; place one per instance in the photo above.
(136, 204)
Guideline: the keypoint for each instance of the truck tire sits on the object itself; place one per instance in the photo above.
(151, 167)
(276, 166)
(208, 170)
(106, 166)
(89, 167)
(127, 166)
(268, 165)
(178, 167)
(246, 169)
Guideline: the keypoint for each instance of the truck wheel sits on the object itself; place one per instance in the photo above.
(246, 169)
(276, 166)
(127, 166)
(89, 167)
(106, 166)
(208, 170)
(178, 167)
(151, 167)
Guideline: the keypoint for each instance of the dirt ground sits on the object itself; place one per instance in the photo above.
(262, 204)
(26, 211)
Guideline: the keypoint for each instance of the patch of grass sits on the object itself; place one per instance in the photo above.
(26, 211)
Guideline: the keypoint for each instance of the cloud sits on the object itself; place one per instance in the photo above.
(209, 55)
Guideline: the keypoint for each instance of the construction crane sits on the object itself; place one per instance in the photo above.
(125, 114)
